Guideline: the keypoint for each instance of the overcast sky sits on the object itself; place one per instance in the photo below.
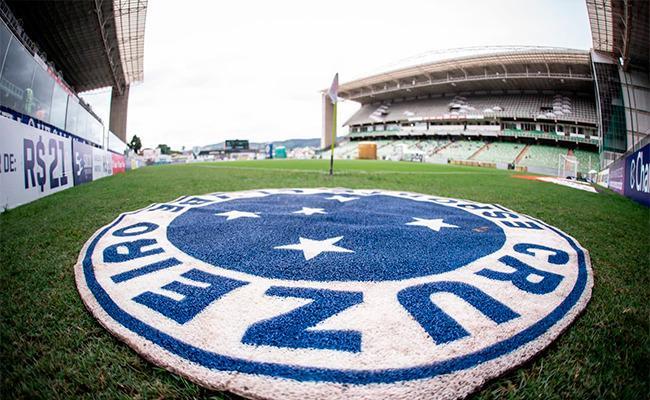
(216, 70)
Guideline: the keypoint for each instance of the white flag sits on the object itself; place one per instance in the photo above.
(334, 89)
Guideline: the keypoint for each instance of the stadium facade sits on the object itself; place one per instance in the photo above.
(87, 44)
(50, 139)
(524, 106)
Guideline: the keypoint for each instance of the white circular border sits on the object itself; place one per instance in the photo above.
(453, 385)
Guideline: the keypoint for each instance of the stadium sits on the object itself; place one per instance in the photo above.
(494, 108)
(531, 109)
(480, 230)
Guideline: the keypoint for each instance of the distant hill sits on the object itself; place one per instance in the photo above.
(293, 143)
(289, 144)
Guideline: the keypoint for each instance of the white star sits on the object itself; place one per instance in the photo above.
(310, 211)
(341, 198)
(433, 224)
(312, 248)
(234, 214)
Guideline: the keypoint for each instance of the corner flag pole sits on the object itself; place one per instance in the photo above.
(333, 140)
(333, 95)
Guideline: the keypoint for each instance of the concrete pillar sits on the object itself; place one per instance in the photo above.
(119, 108)
(328, 111)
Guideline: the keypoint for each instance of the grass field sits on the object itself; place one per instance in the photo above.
(51, 347)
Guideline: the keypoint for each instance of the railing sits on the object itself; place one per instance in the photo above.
(389, 131)
(507, 132)
(546, 135)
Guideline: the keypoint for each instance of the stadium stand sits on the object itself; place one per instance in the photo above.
(587, 160)
(429, 147)
(542, 156)
(499, 152)
(522, 106)
(544, 107)
(384, 149)
(52, 52)
(388, 149)
(394, 150)
(348, 151)
(537, 158)
(548, 157)
(460, 150)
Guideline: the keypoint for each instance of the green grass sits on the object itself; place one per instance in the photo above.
(51, 347)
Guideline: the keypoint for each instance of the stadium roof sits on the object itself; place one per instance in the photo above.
(622, 27)
(477, 69)
(94, 44)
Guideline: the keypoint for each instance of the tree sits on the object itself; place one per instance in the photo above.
(164, 149)
(135, 144)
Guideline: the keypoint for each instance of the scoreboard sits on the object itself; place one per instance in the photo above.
(236, 145)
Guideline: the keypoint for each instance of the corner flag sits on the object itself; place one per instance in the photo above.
(334, 89)
(333, 95)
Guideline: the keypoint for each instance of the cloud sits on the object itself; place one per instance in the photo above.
(253, 69)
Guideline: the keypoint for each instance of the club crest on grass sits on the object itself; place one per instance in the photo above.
(334, 293)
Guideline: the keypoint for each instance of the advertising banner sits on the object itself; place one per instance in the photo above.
(35, 163)
(617, 176)
(637, 177)
(133, 163)
(102, 163)
(603, 178)
(82, 162)
(32, 122)
(119, 163)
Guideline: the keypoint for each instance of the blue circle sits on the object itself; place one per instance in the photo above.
(374, 235)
